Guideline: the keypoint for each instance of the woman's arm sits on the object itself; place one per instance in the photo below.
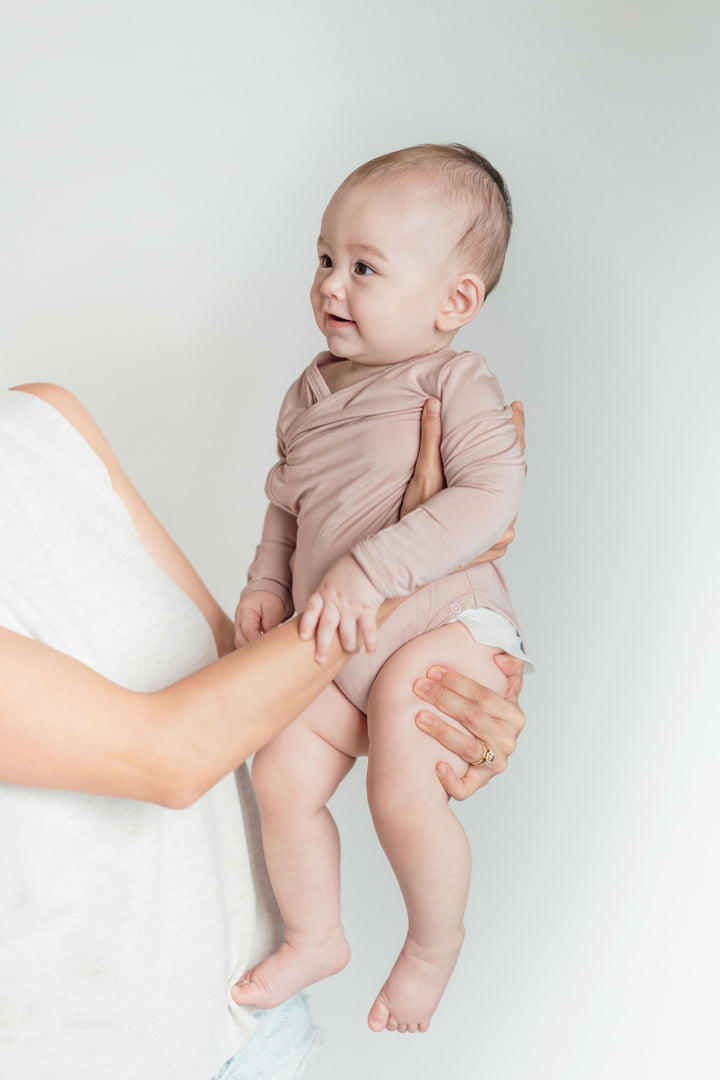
(62, 725)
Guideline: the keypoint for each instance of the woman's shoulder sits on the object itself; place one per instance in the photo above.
(72, 409)
(63, 400)
(50, 392)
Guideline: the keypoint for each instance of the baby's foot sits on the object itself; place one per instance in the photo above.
(299, 961)
(413, 988)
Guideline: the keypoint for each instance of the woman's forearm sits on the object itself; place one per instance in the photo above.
(62, 725)
(214, 719)
(208, 723)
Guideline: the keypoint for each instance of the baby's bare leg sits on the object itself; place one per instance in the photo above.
(421, 836)
(294, 776)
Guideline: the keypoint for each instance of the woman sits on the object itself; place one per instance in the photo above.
(137, 894)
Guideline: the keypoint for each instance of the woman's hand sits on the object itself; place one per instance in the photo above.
(429, 478)
(491, 721)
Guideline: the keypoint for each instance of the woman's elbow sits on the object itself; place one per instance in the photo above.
(169, 770)
(175, 782)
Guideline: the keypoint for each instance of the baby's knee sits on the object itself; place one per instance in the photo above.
(264, 776)
(277, 784)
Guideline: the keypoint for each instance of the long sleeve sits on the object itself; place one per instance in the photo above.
(484, 470)
(270, 570)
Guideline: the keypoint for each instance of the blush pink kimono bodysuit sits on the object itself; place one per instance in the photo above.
(345, 461)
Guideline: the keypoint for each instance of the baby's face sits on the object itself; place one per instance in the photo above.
(383, 270)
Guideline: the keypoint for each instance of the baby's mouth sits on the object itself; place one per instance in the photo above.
(337, 320)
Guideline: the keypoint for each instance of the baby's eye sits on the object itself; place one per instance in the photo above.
(362, 269)
(325, 262)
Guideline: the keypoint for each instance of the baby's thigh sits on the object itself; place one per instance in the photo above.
(314, 752)
(392, 708)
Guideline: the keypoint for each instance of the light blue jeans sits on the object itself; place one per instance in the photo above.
(280, 1047)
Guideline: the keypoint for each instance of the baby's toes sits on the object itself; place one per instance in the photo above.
(379, 1016)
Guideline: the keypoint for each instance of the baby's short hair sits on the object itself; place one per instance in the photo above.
(474, 189)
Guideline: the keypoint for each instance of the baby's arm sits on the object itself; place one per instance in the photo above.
(266, 600)
(485, 470)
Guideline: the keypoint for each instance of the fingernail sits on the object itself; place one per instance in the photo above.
(433, 407)
(436, 673)
(424, 719)
(441, 770)
(422, 685)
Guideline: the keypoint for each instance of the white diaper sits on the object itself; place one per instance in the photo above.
(489, 628)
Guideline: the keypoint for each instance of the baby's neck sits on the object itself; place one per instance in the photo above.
(339, 374)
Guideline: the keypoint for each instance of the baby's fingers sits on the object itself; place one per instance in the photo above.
(247, 627)
(348, 633)
(310, 616)
(368, 629)
(326, 627)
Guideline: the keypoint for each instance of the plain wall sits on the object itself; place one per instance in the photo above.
(165, 168)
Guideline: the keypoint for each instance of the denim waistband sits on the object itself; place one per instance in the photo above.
(279, 1048)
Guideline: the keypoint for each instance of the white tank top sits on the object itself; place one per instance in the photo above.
(122, 924)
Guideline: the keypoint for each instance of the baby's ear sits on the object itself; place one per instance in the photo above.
(462, 303)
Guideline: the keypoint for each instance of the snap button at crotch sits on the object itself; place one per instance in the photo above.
(456, 608)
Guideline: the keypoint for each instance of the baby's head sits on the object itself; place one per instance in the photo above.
(410, 245)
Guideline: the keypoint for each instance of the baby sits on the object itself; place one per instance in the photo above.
(410, 245)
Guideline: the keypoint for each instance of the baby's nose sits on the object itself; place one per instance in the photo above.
(333, 285)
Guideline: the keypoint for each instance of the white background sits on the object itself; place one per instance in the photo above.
(165, 168)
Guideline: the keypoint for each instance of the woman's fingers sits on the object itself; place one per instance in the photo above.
(428, 477)
(471, 747)
(466, 700)
(506, 539)
(461, 787)
(428, 459)
(512, 668)
(518, 416)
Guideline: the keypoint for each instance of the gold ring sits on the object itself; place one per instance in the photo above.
(487, 758)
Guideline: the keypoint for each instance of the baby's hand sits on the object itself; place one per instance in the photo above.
(346, 601)
(255, 615)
